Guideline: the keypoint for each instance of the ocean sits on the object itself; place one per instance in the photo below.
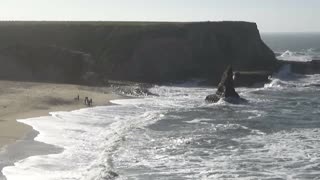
(294, 46)
(177, 135)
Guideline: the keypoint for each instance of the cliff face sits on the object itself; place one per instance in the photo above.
(149, 52)
(44, 63)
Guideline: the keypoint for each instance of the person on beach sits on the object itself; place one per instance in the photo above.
(90, 102)
(86, 101)
(77, 98)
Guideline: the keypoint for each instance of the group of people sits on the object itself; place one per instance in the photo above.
(87, 101)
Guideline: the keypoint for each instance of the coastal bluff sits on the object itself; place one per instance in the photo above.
(83, 52)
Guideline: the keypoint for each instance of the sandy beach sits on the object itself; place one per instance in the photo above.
(21, 100)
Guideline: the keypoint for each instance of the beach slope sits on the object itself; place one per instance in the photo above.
(21, 100)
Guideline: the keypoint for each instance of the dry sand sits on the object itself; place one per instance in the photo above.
(20, 100)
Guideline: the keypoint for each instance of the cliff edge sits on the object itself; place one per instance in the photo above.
(140, 51)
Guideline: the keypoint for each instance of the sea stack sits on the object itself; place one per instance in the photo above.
(225, 88)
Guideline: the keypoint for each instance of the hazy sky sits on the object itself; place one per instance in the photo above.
(271, 15)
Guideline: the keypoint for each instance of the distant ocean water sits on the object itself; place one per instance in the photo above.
(294, 46)
(276, 135)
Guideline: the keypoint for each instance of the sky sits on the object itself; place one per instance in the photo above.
(270, 15)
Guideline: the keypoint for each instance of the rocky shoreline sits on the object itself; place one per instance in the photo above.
(308, 67)
(131, 89)
(92, 53)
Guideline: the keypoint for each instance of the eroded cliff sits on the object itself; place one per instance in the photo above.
(139, 51)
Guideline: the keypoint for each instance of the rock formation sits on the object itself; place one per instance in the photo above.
(308, 67)
(132, 89)
(251, 78)
(133, 51)
(225, 88)
(47, 63)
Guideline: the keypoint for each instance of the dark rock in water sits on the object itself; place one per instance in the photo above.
(251, 78)
(307, 67)
(213, 98)
(225, 88)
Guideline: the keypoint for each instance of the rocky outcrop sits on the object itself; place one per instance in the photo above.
(134, 51)
(200, 50)
(132, 89)
(251, 78)
(309, 67)
(225, 88)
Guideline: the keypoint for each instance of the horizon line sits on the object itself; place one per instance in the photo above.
(156, 21)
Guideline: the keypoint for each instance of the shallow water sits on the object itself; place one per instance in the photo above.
(294, 46)
(276, 135)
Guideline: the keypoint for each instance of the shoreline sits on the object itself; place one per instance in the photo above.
(25, 100)
(11, 153)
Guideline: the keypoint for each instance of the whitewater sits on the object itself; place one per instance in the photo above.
(177, 135)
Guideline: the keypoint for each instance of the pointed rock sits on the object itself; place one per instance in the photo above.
(225, 88)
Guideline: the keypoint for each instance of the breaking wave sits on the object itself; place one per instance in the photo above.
(301, 56)
(177, 135)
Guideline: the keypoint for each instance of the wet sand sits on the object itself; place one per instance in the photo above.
(21, 100)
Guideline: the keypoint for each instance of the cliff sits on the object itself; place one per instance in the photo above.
(44, 63)
(139, 51)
